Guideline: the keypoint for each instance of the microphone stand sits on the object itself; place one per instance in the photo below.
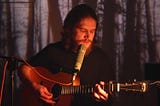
(11, 66)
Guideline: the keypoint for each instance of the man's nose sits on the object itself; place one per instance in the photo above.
(86, 36)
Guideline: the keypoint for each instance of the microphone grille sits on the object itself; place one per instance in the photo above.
(80, 57)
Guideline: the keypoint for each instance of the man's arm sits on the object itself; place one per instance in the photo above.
(25, 74)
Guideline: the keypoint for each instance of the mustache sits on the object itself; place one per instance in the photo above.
(85, 40)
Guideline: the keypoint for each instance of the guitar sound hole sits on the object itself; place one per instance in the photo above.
(56, 90)
(41, 83)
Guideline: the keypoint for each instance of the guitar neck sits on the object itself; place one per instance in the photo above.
(82, 89)
(110, 87)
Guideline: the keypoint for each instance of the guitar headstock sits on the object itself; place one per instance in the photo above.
(135, 86)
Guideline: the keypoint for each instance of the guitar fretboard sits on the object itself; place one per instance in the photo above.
(83, 89)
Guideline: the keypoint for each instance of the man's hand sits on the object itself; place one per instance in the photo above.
(43, 93)
(99, 93)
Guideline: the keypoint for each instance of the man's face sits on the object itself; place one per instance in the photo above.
(84, 32)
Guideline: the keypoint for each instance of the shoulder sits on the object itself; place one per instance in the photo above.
(100, 54)
(54, 45)
(47, 50)
(98, 51)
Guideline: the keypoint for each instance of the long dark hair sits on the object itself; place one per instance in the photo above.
(73, 17)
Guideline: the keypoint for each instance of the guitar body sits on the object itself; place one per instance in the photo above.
(42, 76)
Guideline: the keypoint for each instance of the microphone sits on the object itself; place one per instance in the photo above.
(80, 57)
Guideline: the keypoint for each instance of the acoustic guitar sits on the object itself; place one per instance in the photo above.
(63, 86)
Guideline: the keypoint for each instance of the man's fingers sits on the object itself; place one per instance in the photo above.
(44, 93)
(49, 101)
(99, 93)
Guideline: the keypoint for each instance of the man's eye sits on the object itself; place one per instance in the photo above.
(92, 31)
(83, 30)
